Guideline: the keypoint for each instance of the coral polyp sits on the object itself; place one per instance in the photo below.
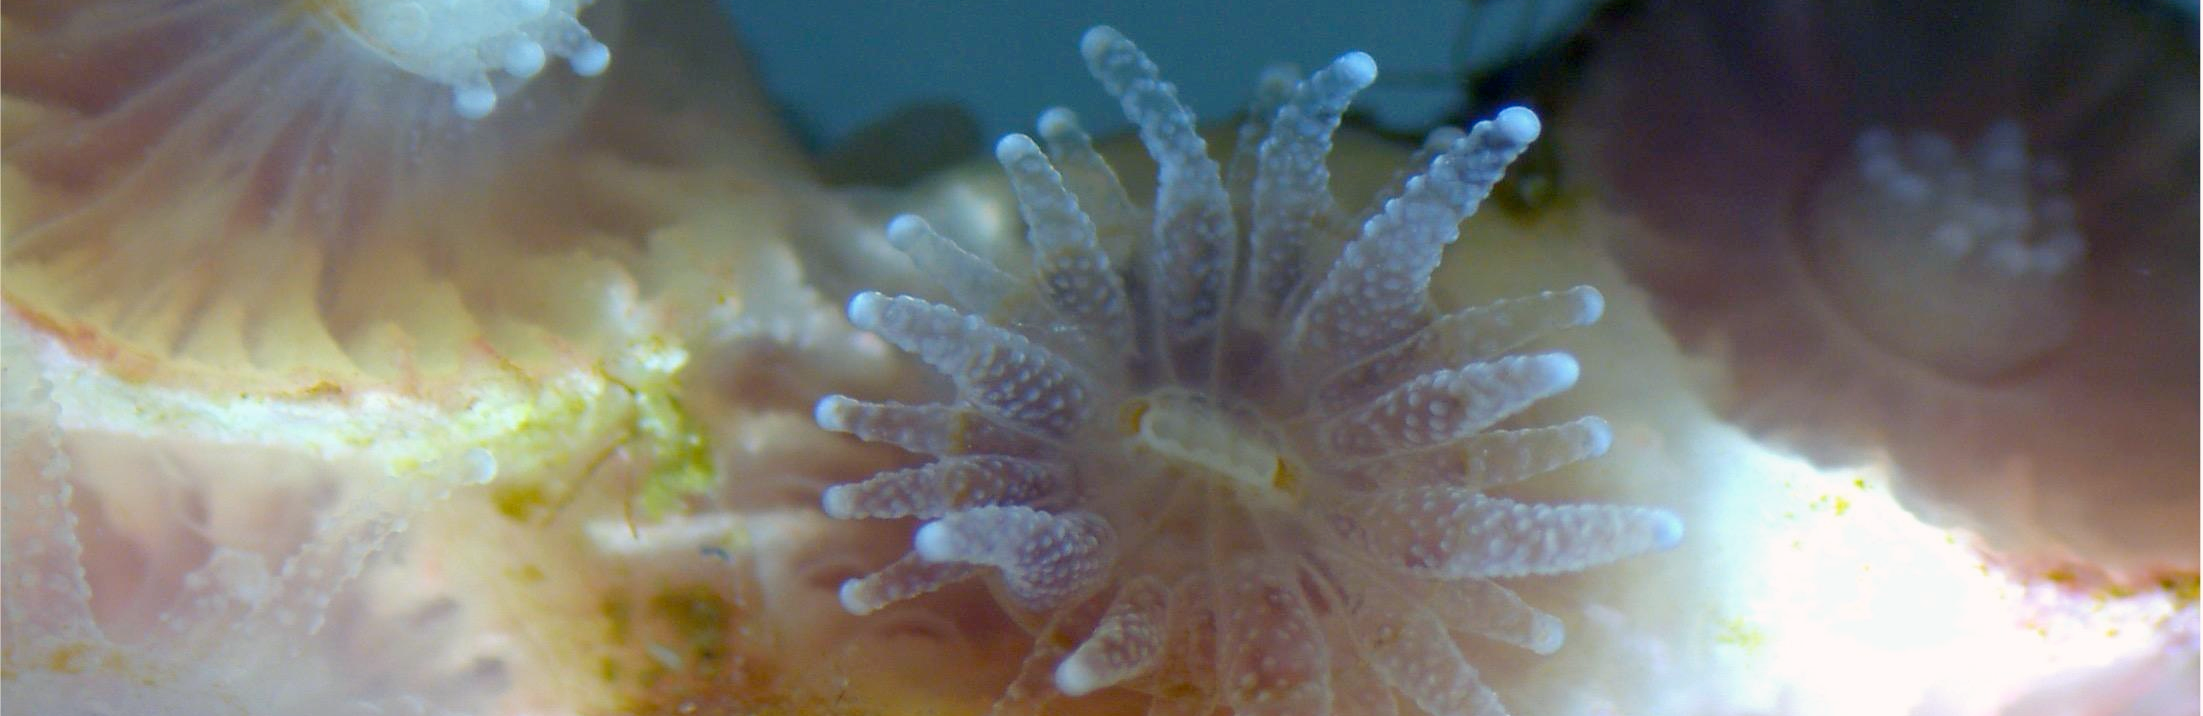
(1949, 246)
(1231, 467)
(208, 188)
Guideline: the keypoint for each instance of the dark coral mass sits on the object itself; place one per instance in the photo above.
(1223, 450)
(1961, 235)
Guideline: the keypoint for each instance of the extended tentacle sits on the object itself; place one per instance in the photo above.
(1045, 558)
(1117, 221)
(929, 429)
(1411, 650)
(1271, 90)
(1378, 292)
(1270, 655)
(1072, 271)
(997, 371)
(904, 578)
(1127, 643)
(952, 484)
(1292, 187)
(1194, 241)
(1451, 533)
(1447, 405)
(1483, 607)
(973, 282)
(1492, 458)
(1471, 334)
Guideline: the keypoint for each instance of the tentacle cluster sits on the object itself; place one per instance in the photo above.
(1966, 260)
(1207, 462)
(461, 43)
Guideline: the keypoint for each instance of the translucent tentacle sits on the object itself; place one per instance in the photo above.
(1073, 272)
(1127, 643)
(1448, 405)
(1191, 259)
(998, 371)
(1189, 659)
(951, 484)
(1434, 144)
(1045, 558)
(1357, 689)
(1272, 88)
(1464, 336)
(973, 282)
(1483, 607)
(1116, 219)
(1378, 291)
(299, 598)
(1292, 186)
(1034, 687)
(1273, 658)
(1409, 649)
(902, 579)
(1452, 533)
(1493, 458)
(930, 429)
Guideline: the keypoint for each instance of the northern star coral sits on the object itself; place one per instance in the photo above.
(1955, 236)
(1234, 468)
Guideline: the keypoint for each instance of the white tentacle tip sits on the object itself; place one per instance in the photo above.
(1554, 371)
(853, 598)
(904, 230)
(1015, 148)
(1518, 125)
(866, 309)
(839, 502)
(1059, 122)
(832, 413)
(474, 100)
(1590, 305)
(1357, 68)
(1667, 531)
(1098, 41)
(1546, 634)
(1598, 437)
(1074, 678)
(591, 60)
(524, 59)
(935, 542)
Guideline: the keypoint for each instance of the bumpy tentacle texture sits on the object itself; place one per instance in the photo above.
(1209, 468)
